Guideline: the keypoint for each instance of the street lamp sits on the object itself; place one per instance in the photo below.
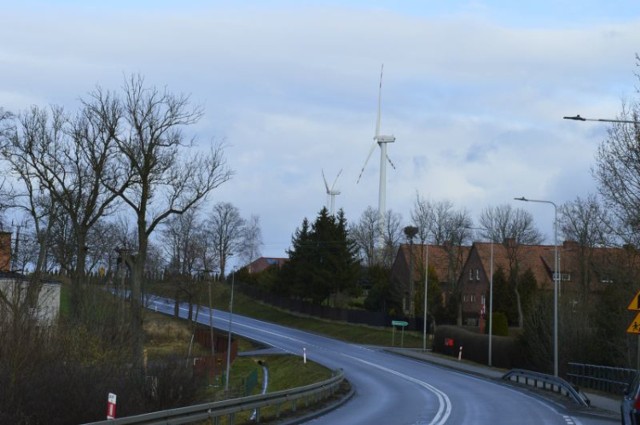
(226, 382)
(490, 349)
(556, 277)
(635, 122)
(426, 284)
(579, 118)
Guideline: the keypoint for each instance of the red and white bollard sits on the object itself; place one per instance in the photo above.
(111, 406)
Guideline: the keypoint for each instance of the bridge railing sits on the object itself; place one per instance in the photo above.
(547, 383)
(607, 379)
(229, 408)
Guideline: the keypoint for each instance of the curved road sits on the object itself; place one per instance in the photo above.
(392, 389)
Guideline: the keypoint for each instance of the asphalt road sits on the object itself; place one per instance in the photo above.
(392, 389)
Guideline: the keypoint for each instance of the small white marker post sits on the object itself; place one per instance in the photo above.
(304, 355)
(111, 406)
(460, 354)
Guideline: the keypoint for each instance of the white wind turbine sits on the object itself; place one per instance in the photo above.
(331, 193)
(381, 141)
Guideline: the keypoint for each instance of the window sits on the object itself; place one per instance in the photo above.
(477, 274)
(564, 277)
(470, 274)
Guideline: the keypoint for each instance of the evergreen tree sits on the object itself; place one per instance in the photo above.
(322, 260)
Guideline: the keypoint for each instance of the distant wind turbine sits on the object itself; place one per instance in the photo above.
(331, 193)
(381, 141)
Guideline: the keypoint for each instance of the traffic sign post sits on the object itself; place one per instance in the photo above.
(634, 327)
(402, 325)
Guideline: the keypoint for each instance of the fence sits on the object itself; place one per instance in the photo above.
(372, 318)
(548, 383)
(607, 379)
(229, 408)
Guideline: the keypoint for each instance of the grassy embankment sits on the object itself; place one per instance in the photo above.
(357, 334)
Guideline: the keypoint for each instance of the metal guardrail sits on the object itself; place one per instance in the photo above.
(228, 408)
(608, 379)
(548, 383)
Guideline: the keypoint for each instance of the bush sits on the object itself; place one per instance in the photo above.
(505, 350)
(500, 324)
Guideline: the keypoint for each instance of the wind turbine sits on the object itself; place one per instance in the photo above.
(381, 141)
(331, 193)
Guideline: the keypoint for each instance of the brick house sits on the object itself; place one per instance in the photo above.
(16, 289)
(264, 263)
(446, 260)
(583, 271)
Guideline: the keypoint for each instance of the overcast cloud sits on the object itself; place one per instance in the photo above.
(474, 92)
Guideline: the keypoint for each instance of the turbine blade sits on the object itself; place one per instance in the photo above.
(391, 162)
(365, 163)
(379, 105)
(325, 182)
(336, 180)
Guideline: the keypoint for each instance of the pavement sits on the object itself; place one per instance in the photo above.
(601, 404)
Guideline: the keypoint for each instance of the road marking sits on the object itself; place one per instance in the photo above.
(444, 404)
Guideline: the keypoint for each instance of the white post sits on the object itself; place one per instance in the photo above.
(304, 355)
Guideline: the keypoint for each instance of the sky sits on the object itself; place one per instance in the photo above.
(473, 91)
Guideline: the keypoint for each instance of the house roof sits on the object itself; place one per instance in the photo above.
(438, 259)
(262, 263)
(540, 259)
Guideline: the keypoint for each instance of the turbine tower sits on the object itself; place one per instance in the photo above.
(381, 141)
(331, 193)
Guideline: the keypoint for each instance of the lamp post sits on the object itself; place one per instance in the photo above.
(426, 284)
(556, 278)
(490, 349)
(635, 122)
(226, 382)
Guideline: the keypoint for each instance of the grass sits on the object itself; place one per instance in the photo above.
(166, 335)
(354, 333)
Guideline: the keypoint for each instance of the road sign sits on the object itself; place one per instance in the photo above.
(634, 305)
(399, 323)
(634, 327)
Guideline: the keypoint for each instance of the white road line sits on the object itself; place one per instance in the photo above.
(444, 404)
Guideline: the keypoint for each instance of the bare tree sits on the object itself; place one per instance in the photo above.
(226, 229)
(365, 233)
(512, 228)
(423, 217)
(164, 181)
(251, 240)
(586, 222)
(391, 237)
(71, 158)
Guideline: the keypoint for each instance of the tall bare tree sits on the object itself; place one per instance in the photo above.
(165, 181)
(365, 233)
(392, 235)
(251, 240)
(423, 217)
(72, 158)
(586, 222)
(226, 228)
(512, 228)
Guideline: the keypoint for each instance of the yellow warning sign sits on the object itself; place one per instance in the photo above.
(634, 305)
(634, 327)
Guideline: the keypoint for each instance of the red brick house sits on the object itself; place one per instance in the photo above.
(583, 271)
(263, 263)
(445, 260)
